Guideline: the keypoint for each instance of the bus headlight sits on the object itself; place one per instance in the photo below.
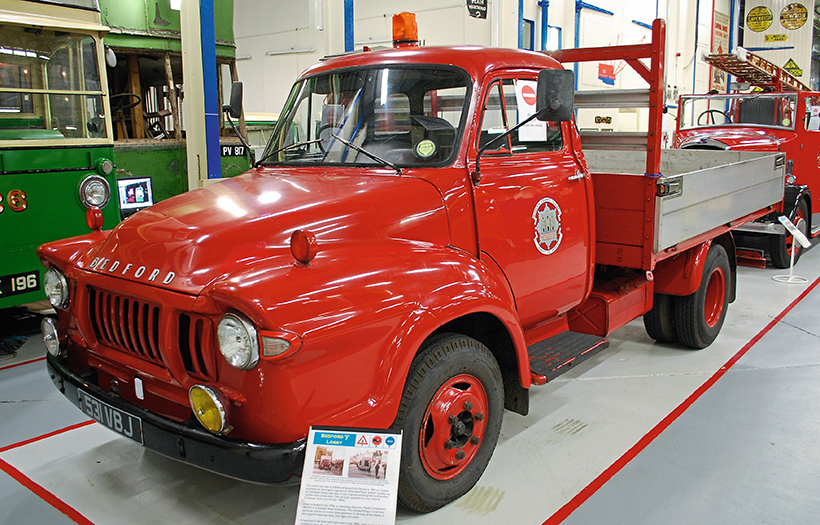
(209, 409)
(94, 191)
(238, 341)
(56, 288)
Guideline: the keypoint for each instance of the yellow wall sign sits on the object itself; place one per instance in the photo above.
(759, 19)
(793, 16)
(792, 67)
(776, 38)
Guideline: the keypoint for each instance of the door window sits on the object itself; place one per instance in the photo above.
(509, 102)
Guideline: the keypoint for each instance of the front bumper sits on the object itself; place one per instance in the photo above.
(260, 463)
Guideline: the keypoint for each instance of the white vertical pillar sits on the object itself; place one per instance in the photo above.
(193, 84)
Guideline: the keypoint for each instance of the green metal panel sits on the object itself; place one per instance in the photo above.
(52, 205)
(153, 25)
(164, 162)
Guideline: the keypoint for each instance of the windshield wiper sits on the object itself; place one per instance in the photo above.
(367, 153)
(284, 148)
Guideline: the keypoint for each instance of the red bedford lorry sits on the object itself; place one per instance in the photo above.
(415, 255)
(781, 115)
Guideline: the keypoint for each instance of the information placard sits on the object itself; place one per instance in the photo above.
(350, 476)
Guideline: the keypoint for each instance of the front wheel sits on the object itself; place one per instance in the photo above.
(699, 317)
(782, 246)
(450, 413)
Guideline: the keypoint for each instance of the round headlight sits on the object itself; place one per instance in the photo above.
(208, 408)
(51, 335)
(56, 288)
(238, 341)
(94, 191)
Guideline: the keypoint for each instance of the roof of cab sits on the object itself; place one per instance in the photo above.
(475, 60)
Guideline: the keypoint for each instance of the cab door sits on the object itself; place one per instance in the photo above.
(531, 202)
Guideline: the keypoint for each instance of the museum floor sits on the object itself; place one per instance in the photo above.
(642, 433)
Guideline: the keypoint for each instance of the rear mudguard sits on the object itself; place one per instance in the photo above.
(682, 274)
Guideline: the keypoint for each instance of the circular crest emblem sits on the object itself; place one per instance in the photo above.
(547, 221)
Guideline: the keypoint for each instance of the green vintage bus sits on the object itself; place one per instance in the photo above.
(56, 134)
(147, 94)
(91, 92)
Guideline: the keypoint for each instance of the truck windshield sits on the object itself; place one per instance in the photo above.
(49, 85)
(750, 109)
(405, 116)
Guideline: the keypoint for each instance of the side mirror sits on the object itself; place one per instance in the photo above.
(556, 94)
(234, 109)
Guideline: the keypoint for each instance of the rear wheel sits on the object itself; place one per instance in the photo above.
(699, 317)
(660, 320)
(450, 413)
(782, 246)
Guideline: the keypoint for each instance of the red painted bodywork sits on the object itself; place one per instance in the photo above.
(398, 256)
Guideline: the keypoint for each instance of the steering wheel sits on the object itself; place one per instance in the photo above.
(331, 129)
(124, 101)
(711, 113)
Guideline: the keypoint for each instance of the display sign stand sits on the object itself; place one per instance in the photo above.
(350, 476)
(800, 238)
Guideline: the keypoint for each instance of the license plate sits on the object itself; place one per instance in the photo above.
(113, 418)
(19, 283)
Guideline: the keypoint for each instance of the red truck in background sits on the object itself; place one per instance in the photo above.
(422, 241)
(781, 114)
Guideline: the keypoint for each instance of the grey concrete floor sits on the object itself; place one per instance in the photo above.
(744, 452)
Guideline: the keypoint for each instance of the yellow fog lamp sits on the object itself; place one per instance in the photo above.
(209, 409)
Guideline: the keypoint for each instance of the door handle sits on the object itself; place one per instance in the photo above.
(578, 176)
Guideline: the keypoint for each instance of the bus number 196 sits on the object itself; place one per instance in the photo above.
(19, 283)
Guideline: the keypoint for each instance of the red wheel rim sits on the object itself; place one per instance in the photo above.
(715, 297)
(800, 222)
(453, 427)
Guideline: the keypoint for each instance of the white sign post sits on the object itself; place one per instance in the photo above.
(350, 477)
(800, 238)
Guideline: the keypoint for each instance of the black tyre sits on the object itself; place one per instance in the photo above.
(450, 413)
(781, 247)
(699, 317)
(660, 320)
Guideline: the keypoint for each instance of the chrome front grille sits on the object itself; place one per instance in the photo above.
(125, 324)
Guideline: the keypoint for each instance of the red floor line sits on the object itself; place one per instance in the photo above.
(45, 495)
(45, 436)
(587, 492)
(23, 363)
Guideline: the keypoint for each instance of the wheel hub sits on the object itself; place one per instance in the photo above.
(453, 427)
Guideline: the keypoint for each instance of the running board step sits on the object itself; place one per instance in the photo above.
(751, 257)
(552, 357)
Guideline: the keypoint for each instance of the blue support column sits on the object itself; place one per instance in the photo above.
(545, 23)
(349, 42)
(209, 77)
(520, 24)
